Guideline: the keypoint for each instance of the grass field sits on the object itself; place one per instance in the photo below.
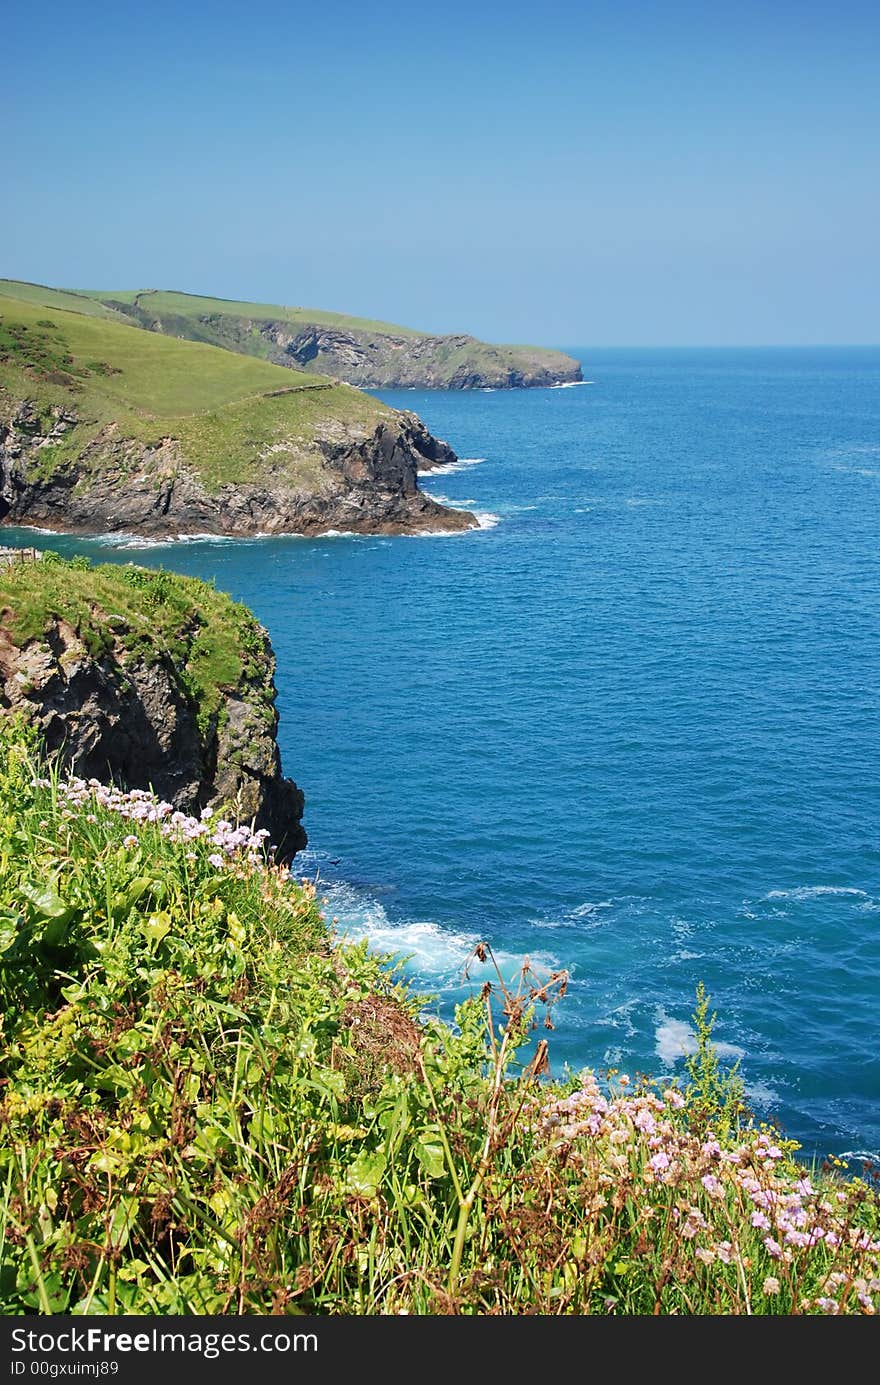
(58, 298)
(167, 301)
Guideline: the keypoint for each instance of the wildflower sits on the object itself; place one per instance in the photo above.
(760, 1221)
(695, 1223)
(712, 1185)
(129, 842)
(773, 1248)
(771, 1285)
(707, 1257)
(673, 1098)
(828, 1305)
(216, 860)
(659, 1162)
(722, 1250)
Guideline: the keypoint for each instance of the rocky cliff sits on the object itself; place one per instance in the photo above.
(104, 427)
(393, 361)
(361, 484)
(149, 680)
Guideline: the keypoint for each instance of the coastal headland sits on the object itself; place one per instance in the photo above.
(105, 428)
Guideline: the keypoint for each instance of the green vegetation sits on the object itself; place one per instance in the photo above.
(169, 303)
(235, 417)
(264, 330)
(211, 1105)
(211, 642)
(65, 299)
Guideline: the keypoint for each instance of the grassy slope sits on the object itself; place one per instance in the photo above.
(182, 312)
(223, 407)
(58, 298)
(211, 640)
(208, 1105)
(167, 301)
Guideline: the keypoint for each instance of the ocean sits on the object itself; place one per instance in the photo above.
(629, 728)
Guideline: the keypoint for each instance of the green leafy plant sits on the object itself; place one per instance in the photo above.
(715, 1094)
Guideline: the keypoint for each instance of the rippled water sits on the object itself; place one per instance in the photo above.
(631, 729)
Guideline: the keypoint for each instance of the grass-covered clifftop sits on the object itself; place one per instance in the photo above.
(226, 410)
(103, 425)
(209, 1104)
(360, 351)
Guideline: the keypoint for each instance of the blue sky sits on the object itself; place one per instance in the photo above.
(596, 174)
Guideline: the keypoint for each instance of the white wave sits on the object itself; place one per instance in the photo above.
(674, 1039)
(449, 500)
(762, 1095)
(867, 1156)
(817, 891)
(41, 529)
(487, 520)
(583, 910)
(432, 955)
(572, 384)
(449, 468)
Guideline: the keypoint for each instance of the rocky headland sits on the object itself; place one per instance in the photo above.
(148, 680)
(105, 428)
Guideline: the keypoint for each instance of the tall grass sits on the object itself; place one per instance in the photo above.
(210, 1105)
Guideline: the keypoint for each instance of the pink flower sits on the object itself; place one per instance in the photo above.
(759, 1220)
(216, 860)
(771, 1285)
(773, 1248)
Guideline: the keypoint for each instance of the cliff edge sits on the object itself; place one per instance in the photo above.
(149, 680)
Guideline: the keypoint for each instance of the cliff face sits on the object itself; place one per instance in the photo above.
(346, 479)
(385, 361)
(117, 706)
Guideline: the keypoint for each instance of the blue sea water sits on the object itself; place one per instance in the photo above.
(630, 728)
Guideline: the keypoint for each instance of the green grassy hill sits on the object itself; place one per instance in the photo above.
(360, 351)
(169, 303)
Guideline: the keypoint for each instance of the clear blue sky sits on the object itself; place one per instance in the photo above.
(577, 173)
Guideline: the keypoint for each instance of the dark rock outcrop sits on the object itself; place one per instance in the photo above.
(352, 482)
(129, 721)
